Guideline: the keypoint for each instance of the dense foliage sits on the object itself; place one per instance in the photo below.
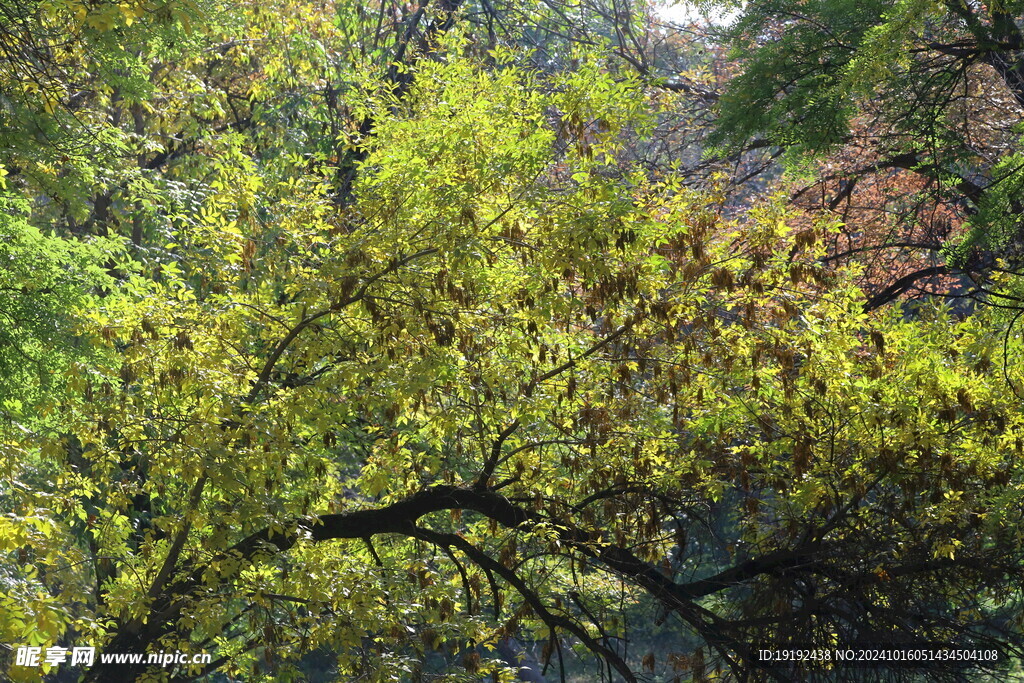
(916, 105)
(396, 343)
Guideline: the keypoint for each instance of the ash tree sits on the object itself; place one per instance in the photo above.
(462, 371)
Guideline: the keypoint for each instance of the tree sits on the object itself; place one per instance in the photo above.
(504, 388)
(43, 281)
(413, 355)
(42, 278)
(920, 101)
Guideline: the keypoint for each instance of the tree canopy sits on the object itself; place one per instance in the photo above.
(402, 343)
(918, 107)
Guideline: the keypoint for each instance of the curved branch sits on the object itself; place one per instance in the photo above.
(552, 621)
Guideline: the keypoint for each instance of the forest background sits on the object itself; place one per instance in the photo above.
(510, 339)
